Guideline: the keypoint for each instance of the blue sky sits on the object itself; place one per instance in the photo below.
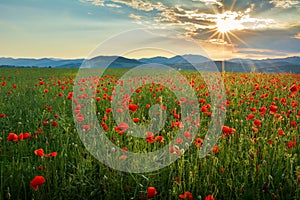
(225, 29)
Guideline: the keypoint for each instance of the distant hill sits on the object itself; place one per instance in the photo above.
(185, 62)
(43, 62)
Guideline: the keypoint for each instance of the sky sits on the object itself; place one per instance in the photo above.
(225, 29)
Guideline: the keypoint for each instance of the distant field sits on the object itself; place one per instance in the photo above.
(256, 157)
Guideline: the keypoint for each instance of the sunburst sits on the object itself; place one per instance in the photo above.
(226, 25)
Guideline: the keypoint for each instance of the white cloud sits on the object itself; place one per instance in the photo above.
(285, 3)
(94, 2)
(133, 16)
(142, 5)
(210, 2)
(218, 41)
(112, 5)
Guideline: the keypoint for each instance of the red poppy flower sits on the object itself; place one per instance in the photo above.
(209, 197)
(159, 139)
(26, 136)
(215, 149)
(198, 142)
(188, 135)
(273, 109)
(186, 195)
(257, 122)
(123, 126)
(135, 120)
(123, 157)
(108, 110)
(80, 118)
(151, 192)
(12, 137)
(226, 129)
(105, 127)
(253, 109)
(250, 116)
(172, 149)
(281, 132)
(290, 145)
(54, 123)
(263, 110)
(132, 107)
(293, 123)
(150, 137)
(179, 141)
(53, 154)
(21, 137)
(294, 89)
(37, 182)
(39, 152)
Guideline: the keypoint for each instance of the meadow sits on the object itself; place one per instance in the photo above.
(42, 156)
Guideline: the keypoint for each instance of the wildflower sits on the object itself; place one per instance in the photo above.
(132, 107)
(186, 195)
(188, 135)
(250, 116)
(12, 137)
(198, 142)
(123, 157)
(293, 123)
(280, 132)
(273, 109)
(37, 182)
(54, 123)
(293, 89)
(151, 192)
(215, 149)
(39, 152)
(53, 154)
(257, 122)
(135, 120)
(123, 126)
(21, 137)
(290, 145)
(150, 137)
(159, 139)
(209, 197)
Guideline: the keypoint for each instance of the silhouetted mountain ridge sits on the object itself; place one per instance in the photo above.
(184, 62)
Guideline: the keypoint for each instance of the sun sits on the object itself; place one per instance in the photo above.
(224, 25)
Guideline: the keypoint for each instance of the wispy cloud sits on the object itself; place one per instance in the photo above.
(94, 2)
(285, 3)
(133, 16)
(210, 2)
(112, 5)
(297, 36)
(142, 5)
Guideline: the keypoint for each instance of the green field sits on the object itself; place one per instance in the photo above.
(256, 157)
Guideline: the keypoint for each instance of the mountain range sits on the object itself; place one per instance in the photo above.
(185, 62)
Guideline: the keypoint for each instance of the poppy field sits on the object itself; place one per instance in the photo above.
(42, 156)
